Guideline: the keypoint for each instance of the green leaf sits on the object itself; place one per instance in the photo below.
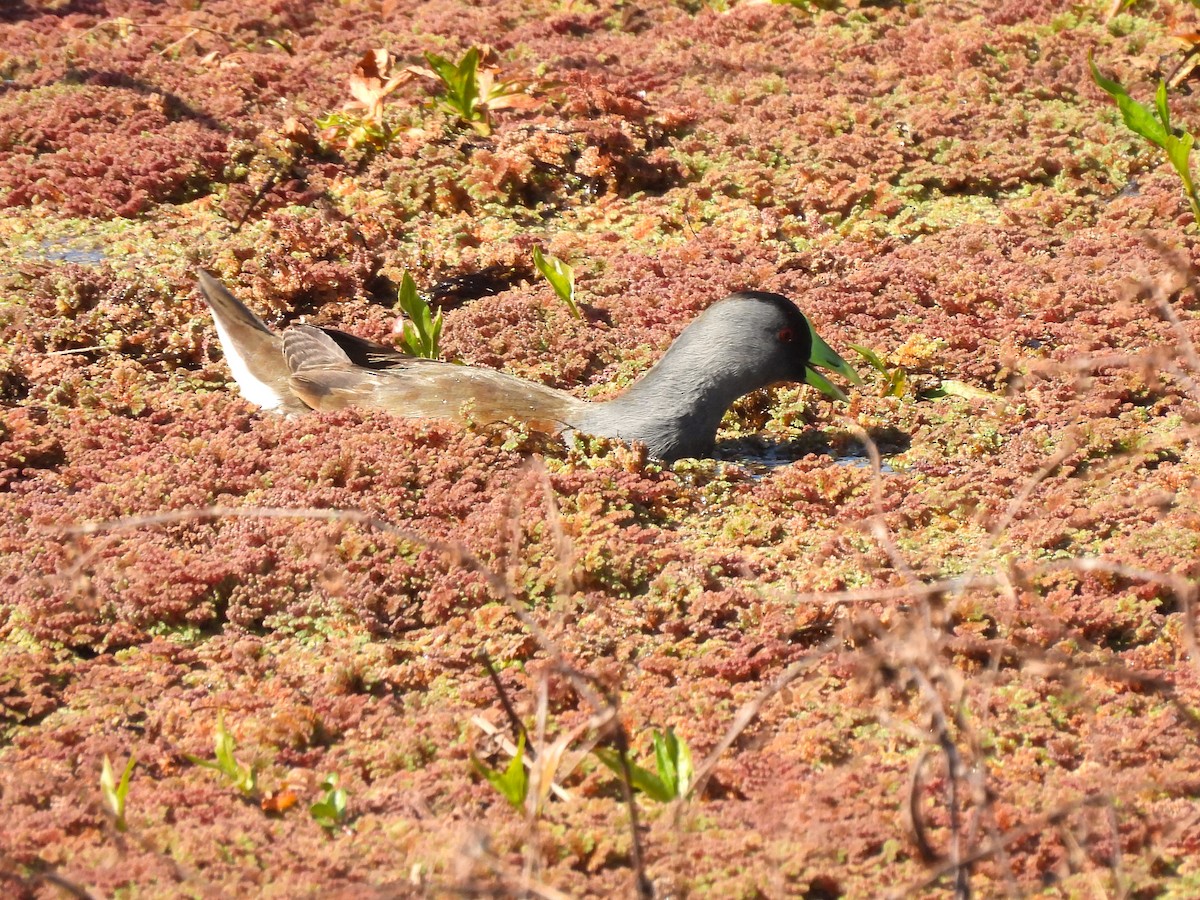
(461, 83)
(468, 81)
(674, 760)
(330, 811)
(873, 359)
(640, 779)
(422, 331)
(561, 278)
(1155, 127)
(115, 792)
(1160, 104)
(244, 778)
(1179, 150)
(1138, 118)
(664, 759)
(513, 782)
(684, 769)
(445, 70)
(895, 379)
(951, 388)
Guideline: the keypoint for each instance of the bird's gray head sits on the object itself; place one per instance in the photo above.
(746, 341)
(771, 339)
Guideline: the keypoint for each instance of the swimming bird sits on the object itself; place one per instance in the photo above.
(749, 340)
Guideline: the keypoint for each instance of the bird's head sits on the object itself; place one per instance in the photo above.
(778, 342)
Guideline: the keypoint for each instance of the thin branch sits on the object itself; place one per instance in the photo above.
(963, 583)
(455, 551)
(645, 890)
(913, 817)
(954, 770)
(63, 883)
(518, 727)
(750, 710)
(1013, 834)
(604, 707)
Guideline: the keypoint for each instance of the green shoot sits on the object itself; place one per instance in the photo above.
(352, 131)
(513, 782)
(461, 83)
(244, 778)
(673, 759)
(471, 94)
(422, 330)
(1155, 126)
(115, 792)
(281, 45)
(561, 278)
(330, 811)
(951, 388)
(895, 379)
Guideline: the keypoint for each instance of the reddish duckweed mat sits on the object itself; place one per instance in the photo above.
(969, 669)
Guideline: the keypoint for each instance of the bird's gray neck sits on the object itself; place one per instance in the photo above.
(676, 407)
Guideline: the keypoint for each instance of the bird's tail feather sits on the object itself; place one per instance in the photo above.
(226, 308)
(252, 350)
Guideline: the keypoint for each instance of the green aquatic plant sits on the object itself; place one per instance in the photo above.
(351, 131)
(115, 792)
(330, 811)
(1155, 126)
(513, 782)
(471, 93)
(460, 83)
(360, 123)
(243, 778)
(561, 277)
(672, 760)
(422, 330)
(894, 377)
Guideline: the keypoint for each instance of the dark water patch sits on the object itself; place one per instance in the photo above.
(761, 456)
(61, 251)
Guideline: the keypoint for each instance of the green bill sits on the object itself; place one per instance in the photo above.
(825, 357)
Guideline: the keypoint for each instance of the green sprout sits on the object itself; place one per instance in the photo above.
(561, 278)
(1155, 126)
(471, 94)
(244, 778)
(279, 44)
(513, 782)
(461, 83)
(895, 379)
(352, 131)
(952, 388)
(422, 329)
(673, 759)
(330, 811)
(115, 792)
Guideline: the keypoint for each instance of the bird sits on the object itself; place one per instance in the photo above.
(749, 340)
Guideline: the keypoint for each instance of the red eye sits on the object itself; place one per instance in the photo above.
(785, 335)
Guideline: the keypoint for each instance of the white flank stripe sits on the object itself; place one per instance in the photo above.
(251, 387)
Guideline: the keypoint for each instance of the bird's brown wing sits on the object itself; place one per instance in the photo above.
(323, 375)
(367, 353)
